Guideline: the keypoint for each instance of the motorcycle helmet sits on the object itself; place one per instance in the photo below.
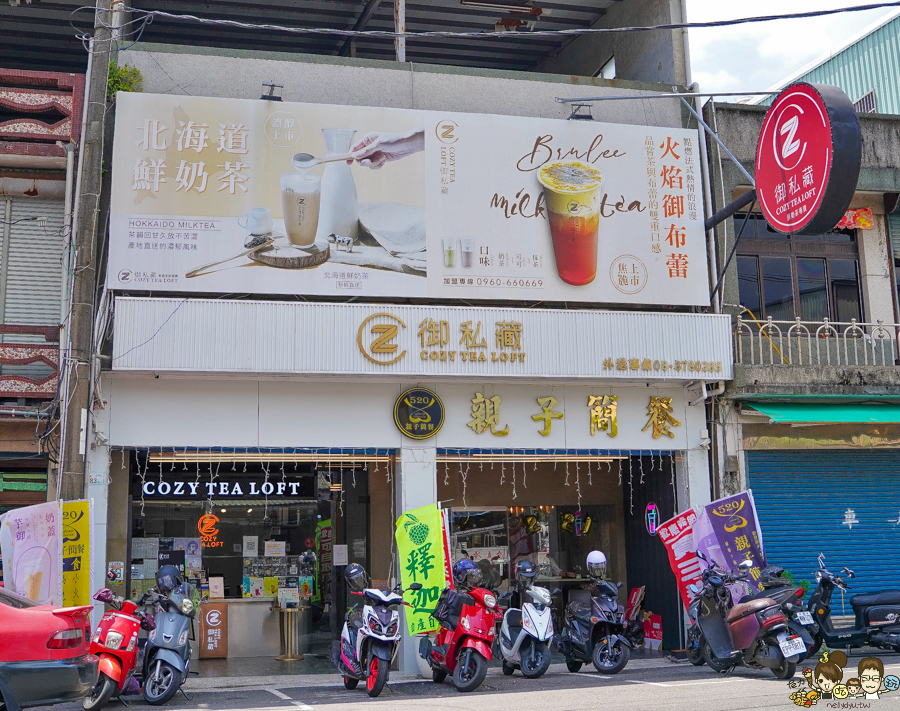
(167, 579)
(596, 565)
(356, 577)
(467, 574)
(525, 574)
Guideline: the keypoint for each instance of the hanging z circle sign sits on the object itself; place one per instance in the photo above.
(808, 159)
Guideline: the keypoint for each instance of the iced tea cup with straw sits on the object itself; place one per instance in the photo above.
(572, 197)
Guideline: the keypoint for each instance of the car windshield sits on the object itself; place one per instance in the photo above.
(13, 600)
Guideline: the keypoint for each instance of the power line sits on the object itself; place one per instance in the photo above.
(147, 15)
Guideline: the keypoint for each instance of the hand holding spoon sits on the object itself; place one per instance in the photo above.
(307, 161)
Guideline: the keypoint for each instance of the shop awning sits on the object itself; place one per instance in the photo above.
(827, 413)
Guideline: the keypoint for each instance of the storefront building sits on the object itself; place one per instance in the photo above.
(809, 422)
(547, 458)
(425, 333)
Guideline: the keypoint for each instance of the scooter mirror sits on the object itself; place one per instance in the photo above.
(104, 595)
(618, 585)
(746, 564)
(557, 592)
(415, 586)
(701, 556)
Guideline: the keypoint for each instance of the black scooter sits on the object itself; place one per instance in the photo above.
(595, 633)
(877, 615)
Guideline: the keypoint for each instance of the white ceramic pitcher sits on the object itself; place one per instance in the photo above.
(339, 208)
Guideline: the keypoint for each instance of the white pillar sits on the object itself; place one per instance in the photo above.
(692, 464)
(418, 487)
(96, 488)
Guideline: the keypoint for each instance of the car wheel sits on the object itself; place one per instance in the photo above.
(610, 655)
(100, 694)
(161, 683)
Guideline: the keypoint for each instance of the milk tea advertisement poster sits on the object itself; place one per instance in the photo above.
(239, 196)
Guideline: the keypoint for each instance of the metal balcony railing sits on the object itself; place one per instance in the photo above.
(18, 381)
(799, 343)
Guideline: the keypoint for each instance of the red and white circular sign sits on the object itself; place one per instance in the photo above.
(808, 159)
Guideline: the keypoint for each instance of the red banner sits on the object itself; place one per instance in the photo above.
(678, 536)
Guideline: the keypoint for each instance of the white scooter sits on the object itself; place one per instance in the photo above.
(526, 633)
(369, 639)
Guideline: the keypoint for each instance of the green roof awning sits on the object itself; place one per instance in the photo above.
(825, 413)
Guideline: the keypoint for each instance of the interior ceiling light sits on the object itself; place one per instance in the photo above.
(487, 458)
(318, 458)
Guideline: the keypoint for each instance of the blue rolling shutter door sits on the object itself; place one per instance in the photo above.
(802, 499)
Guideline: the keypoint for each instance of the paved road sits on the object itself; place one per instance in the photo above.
(642, 686)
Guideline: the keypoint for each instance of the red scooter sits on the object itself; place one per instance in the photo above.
(468, 618)
(116, 643)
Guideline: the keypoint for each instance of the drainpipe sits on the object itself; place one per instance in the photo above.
(708, 205)
(400, 26)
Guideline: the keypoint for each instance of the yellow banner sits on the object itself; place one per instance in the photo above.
(76, 553)
(420, 545)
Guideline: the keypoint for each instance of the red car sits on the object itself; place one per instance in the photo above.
(44, 653)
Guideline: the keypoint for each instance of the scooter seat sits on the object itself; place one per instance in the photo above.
(888, 597)
(748, 608)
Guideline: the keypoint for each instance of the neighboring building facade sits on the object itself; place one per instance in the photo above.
(809, 423)
(38, 134)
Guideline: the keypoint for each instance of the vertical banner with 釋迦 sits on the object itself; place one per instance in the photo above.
(736, 527)
(30, 541)
(420, 548)
(677, 534)
(76, 555)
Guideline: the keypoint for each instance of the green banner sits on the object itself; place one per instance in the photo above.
(420, 545)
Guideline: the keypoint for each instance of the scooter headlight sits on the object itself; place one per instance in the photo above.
(187, 607)
(375, 625)
(183, 638)
(392, 629)
(113, 640)
(490, 601)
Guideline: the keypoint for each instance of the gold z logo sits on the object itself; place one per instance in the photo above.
(380, 344)
(446, 131)
(380, 339)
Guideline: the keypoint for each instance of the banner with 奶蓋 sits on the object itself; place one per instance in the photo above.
(435, 204)
(726, 532)
(421, 551)
(46, 550)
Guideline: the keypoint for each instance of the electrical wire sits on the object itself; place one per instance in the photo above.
(144, 17)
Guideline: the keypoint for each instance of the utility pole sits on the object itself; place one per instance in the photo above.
(75, 407)
(400, 27)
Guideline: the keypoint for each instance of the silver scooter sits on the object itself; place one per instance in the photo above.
(167, 653)
(525, 633)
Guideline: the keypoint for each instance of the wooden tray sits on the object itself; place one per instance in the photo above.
(284, 255)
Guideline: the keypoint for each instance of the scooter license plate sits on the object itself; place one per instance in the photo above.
(792, 646)
(804, 618)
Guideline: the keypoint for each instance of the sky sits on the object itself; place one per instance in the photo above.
(755, 57)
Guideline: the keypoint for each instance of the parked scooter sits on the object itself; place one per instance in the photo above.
(369, 637)
(468, 616)
(753, 633)
(527, 626)
(789, 596)
(115, 642)
(167, 654)
(596, 632)
(877, 615)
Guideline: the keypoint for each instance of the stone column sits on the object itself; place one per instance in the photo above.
(417, 487)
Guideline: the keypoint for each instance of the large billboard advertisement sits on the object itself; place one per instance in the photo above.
(239, 196)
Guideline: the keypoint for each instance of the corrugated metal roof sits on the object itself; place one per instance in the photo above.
(870, 63)
(39, 36)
